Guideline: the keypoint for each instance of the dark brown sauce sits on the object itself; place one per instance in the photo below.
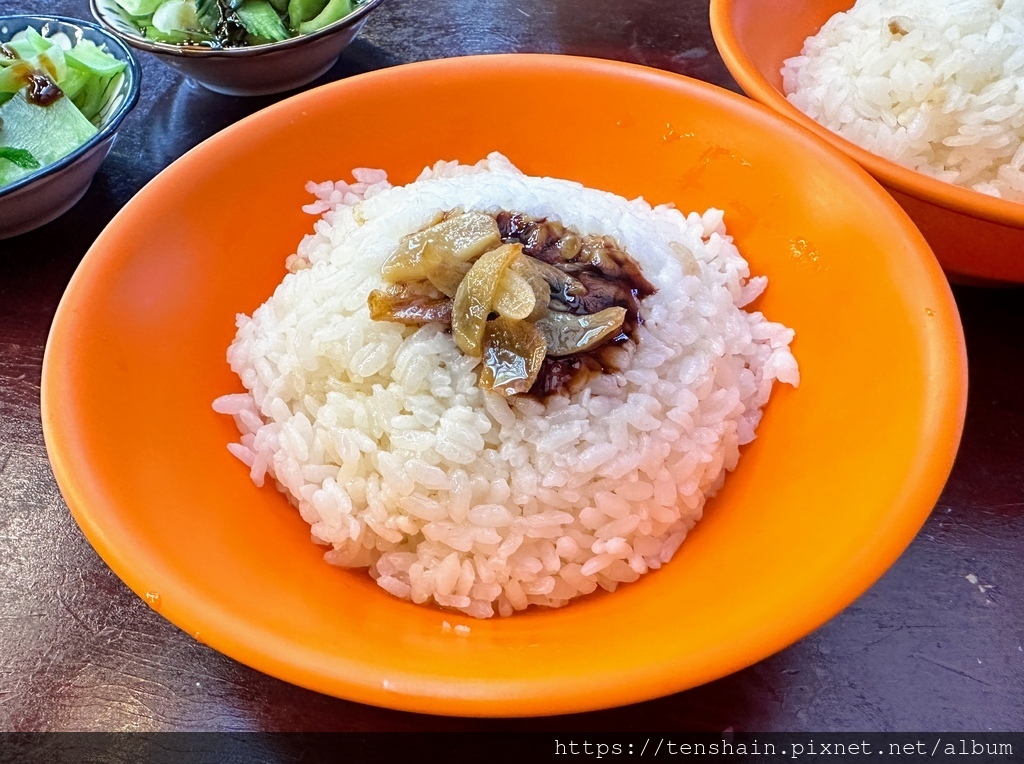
(611, 277)
(42, 91)
(585, 275)
(8, 52)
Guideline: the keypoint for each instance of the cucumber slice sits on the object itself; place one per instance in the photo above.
(91, 98)
(23, 48)
(261, 20)
(53, 62)
(36, 40)
(12, 78)
(335, 10)
(89, 58)
(15, 78)
(37, 52)
(46, 132)
(74, 82)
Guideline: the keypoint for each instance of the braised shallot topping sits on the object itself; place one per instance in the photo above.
(407, 304)
(539, 304)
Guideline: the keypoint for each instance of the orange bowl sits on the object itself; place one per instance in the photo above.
(976, 237)
(843, 472)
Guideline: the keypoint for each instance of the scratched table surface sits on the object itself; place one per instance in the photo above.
(935, 645)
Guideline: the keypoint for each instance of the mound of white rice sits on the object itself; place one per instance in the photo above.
(447, 493)
(937, 87)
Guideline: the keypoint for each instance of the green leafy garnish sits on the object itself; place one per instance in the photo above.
(23, 158)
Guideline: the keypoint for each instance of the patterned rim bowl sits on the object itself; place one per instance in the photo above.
(50, 191)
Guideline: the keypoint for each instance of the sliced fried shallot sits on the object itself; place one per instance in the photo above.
(474, 299)
(515, 297)
(566, 333)
(526, 267)
(464, 236)
(513, 352)
(406, 304)
(561, 282)
(442, 270)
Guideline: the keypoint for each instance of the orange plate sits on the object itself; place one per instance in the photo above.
(976, 237)
(842, 474)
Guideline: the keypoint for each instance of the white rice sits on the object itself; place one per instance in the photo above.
(460, 497)
(945, 98)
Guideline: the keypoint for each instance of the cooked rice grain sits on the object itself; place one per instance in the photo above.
(937, 87)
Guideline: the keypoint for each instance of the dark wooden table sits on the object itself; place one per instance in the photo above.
(935, 645)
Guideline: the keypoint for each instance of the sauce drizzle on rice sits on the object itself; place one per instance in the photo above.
(547, 317)
(456, 496)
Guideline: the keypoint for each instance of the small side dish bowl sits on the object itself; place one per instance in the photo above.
(250, 70)
(50, 191)
(976, 238)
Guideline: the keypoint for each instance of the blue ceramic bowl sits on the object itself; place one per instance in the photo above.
(53, 189)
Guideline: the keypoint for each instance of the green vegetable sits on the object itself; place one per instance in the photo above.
(303, 10)
(91, 98)
(261, 20)
(87, 57)
(46, 132)
(177, 38)
(74, 82)
(21, 157)
(37, 41)
(140, 7)
(230, 23)
(22, 47)
(74, 86)
(12, 79)
(335, 10)
(176, 16)
(209, 15)
(50, 63)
